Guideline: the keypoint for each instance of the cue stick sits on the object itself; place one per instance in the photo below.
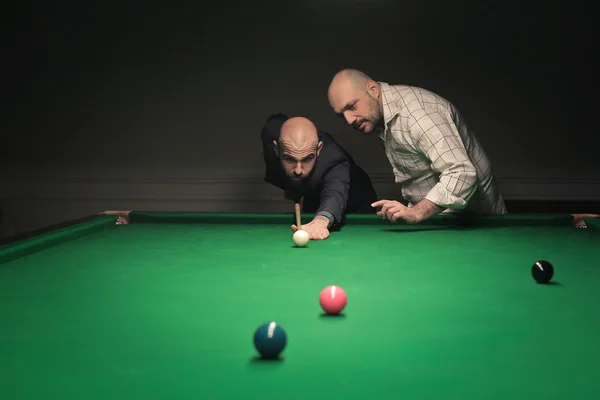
(298, 216)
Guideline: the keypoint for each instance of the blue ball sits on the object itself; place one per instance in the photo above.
(270, 340)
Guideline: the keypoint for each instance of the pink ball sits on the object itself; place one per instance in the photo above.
(333, 299)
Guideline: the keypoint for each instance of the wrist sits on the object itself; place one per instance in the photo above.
(417, 216)
(322, 220)
(424, 210)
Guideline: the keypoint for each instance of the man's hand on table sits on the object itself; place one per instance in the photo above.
(122, 216)
(579, 219)
(316, 229)
(394, 210)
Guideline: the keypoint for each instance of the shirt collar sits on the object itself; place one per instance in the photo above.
(389, 102)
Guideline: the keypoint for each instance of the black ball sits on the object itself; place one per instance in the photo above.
(542, 271)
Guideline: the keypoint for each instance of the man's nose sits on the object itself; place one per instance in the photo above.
(298, 169)
(349, 118)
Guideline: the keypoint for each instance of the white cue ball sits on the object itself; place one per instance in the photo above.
(301, 238)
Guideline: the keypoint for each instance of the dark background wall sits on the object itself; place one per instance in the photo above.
(159, 105)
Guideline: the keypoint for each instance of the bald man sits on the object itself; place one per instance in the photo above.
(436, 159)
(307, 163)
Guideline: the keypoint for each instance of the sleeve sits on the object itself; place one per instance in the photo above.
(274, 174)
(334, 195)
(439, 139)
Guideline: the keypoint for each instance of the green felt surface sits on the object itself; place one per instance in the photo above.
(166, 308)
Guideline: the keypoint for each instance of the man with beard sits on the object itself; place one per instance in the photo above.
(436, 159)
(309, 164)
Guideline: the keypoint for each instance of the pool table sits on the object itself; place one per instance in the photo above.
(165, 307)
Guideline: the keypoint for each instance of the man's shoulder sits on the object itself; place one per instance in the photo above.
(272, 126)
(327, 137)
(407, 90)
(414, 100)
(332, 149)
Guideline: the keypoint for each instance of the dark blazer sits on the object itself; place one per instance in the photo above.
(336, 186)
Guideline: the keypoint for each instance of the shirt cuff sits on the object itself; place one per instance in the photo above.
(328, 215)
(442, 197)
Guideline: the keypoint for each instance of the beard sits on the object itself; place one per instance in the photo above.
(302, 181)
(375, 118)
(298, 180)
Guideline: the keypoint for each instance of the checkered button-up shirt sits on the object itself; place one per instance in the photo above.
(433, 154)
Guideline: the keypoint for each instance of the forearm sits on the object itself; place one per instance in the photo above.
(425, 209)
(456, 186)
(444, 198)
(443, 146)
(334, 195)
(332, 207)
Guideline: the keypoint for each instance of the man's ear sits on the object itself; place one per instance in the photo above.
(373, 88)
(319, 147)
(276, 148)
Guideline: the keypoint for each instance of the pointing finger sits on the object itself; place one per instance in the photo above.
(379, 203)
